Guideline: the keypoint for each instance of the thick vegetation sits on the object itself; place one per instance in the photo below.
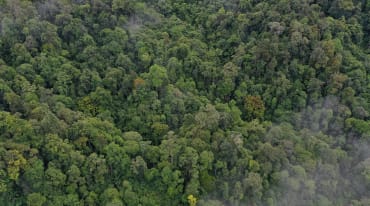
(183, 102)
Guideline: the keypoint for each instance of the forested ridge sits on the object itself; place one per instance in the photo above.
(184, 102)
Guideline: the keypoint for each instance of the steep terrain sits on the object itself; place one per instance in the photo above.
(183, 102)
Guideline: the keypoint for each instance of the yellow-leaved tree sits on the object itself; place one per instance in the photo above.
(192, 200)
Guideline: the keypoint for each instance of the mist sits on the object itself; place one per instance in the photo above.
(339, 174)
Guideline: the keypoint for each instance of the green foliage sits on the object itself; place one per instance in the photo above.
(122, 102)
(254, 107)
(35, 199)
(158, 76)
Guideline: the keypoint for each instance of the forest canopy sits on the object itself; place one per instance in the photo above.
(183, 102)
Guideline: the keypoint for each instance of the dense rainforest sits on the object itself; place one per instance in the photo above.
(184, 102)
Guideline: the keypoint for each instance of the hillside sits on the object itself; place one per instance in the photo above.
(184, 102)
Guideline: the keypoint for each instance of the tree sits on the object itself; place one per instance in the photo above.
(55, 180)
(173, 183)
(129, 196)
(252, 184)
(123, 102)
(35, 199)
(341, 7)
(210, 203)
(159, 130)
(94, 170)
(122, 6)
(110, 197)
(170, 148)
(254, 107)
(207, 118)
(192, 200)
(117, 161)
(34, 176)
(113, 41)
(158, 76)
(15, 162)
